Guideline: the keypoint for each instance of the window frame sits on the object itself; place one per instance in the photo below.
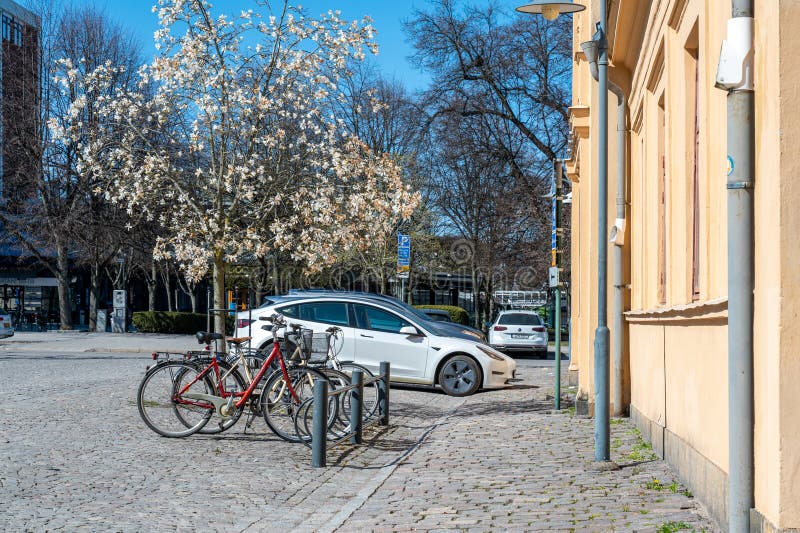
(367, 327)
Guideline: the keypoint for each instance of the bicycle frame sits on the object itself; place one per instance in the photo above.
(243, 395)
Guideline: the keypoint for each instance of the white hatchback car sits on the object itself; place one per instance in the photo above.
(519, 331)
(419, 351)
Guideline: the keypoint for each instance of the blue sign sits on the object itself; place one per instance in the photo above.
(553, 219)
(403, 252)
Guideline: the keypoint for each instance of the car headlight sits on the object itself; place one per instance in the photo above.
(491, 353)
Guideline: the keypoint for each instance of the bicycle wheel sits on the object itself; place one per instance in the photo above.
(232, 381)
(279, 407)
(163, 409)
(371, 392)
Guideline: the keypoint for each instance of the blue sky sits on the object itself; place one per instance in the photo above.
(387, 19)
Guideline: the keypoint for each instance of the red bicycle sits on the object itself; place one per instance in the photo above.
(178, 398)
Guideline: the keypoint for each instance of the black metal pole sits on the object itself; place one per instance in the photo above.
(319, 423)
(383, 393)
(356, 406)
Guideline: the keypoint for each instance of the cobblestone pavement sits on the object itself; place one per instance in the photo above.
(74, 456)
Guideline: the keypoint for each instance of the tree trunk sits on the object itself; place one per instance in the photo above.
(490, 293)
(94, 295)
(193, 298)
(64, 303)
(152, 287)
(476, 297)
(219, 293)
(168, 288)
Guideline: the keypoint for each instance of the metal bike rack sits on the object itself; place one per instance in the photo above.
(321, 433)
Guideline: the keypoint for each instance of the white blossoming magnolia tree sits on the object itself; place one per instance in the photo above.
(232, 141)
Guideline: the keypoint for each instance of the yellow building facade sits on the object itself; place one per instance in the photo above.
(663, 54)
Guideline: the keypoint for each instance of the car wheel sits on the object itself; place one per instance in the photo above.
(460, 376)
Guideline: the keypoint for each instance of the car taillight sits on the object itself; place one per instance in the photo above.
(500, 328)
(243, 322)
(540, 329)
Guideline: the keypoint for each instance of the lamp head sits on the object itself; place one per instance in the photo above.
(550, 10)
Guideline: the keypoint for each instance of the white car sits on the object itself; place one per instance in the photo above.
(520, 331)
(6, 328)
(418, 351)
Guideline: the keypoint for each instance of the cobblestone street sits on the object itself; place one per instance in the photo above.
(76, 456)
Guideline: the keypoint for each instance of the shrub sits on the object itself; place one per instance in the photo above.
(458, 315)
(174, 322)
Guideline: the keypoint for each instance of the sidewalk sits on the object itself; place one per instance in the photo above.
(503, 461)
(83, 341)
(495, 461)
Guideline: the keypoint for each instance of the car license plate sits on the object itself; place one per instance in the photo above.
(519, 336)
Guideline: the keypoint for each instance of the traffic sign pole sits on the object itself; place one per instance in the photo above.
(403, 262)
(557, 176)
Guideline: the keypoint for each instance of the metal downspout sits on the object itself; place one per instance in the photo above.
(619, 233)
(735, 74)
(741, 180)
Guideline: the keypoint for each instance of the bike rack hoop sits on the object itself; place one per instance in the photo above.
(320, 429)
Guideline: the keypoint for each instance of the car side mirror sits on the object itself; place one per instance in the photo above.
(410, 330)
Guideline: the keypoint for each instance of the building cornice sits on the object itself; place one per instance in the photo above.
(710, 311)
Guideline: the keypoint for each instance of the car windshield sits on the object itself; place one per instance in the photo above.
(520, 319)
(400, 306)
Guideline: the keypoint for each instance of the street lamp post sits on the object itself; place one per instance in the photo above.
(550, 10)
(601, 363)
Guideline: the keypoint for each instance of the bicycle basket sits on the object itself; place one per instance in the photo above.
(319, 347)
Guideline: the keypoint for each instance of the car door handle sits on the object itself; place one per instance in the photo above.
(367, 336)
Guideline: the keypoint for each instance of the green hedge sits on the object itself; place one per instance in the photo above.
(173, 322)
(458, 315)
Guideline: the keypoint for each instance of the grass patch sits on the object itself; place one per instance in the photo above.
(671, 527)
(616, 421)
(642, 451)
(654, 484)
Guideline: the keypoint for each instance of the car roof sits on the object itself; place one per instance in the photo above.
(373, 298)
(353, 297)
(435, 311)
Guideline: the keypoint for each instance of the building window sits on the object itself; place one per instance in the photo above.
(662, 203)
(693, 101)
(12, 30)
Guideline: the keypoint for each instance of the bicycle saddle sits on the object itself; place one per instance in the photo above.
(204, 337)
(237, 340)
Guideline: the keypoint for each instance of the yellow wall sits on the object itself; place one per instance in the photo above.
(676, 336)
(777, 284)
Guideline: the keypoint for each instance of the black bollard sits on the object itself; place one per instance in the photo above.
(319, 433)
(356, 406)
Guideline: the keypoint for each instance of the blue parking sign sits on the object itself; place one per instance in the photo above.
(403, 252)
